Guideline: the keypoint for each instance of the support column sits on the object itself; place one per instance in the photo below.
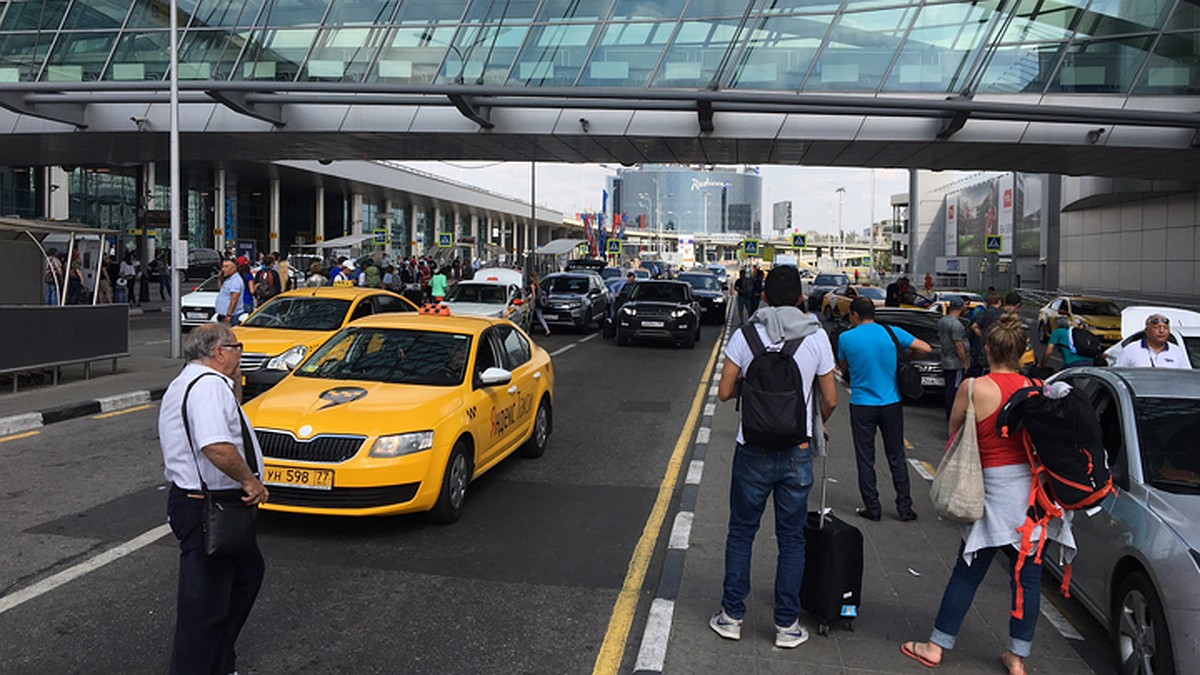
(437, 225)
(356, 218)
(273, 237)
(414, 235)
(319, 220)
(387, 225)
(219, 215)
(58, 193)
(142, 244)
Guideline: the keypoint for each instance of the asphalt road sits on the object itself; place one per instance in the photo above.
(525, 582)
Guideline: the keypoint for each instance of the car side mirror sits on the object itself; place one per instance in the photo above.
(518, 301)
(495, 377)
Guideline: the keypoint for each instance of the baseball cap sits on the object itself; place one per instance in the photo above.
(956, 303)
(243, 260)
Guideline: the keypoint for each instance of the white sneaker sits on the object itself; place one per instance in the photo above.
(791, 636)
(726, 626)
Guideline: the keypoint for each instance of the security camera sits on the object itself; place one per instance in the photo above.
(325, 162)
(140, 121)
(583, 122)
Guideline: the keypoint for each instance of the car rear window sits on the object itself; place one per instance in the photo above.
(301, 313)
(566, 285)
(488, 294)
(831, 280)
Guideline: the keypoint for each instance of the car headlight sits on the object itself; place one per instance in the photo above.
(289, 359)
(402, 444)
(574, 304)
(719, 298)
(631, 311)
(679, 313)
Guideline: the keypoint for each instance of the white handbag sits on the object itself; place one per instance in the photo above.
(957, 490)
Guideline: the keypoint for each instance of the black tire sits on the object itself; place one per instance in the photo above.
(622, 338)
(452, 499)
(542, 425)
(1140, 628)
(1042, 333)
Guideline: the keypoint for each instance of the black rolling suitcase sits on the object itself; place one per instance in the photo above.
(833, 567)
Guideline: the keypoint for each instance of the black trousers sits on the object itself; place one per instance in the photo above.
(953, 378)
(889, 420)
(215, 594)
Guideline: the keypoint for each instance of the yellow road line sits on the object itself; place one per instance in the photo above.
(907, 445)
(16, 437)
(136, 408)
(608, 661)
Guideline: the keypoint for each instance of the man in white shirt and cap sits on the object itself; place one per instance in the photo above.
(1155, 350)
(208, 445)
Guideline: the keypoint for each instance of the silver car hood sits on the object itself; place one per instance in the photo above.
(1180, 512)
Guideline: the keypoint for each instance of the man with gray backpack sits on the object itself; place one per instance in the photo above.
(773, 366)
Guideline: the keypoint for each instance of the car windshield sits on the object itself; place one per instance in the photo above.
(612, 273)
(641, 273)
(644, 292)
(210, 285)
(1167, 429)
(566, 285)
(831, 280)
(301, 313)
(391, 356)
(1094, 308)
(704, 282)
(488, 294)
(873, 293)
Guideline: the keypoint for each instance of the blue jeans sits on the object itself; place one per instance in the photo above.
(757, 474)
(960, 592)
(51, 294)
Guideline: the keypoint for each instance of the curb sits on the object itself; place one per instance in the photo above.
(138, 311)
(15, 424)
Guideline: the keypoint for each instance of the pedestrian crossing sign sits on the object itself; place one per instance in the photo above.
(380, 236)
(799, 240)
(750, 248)
(614, 246)
(445, 239)
(993, 243)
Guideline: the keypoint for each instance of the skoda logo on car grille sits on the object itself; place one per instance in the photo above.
(340, 395)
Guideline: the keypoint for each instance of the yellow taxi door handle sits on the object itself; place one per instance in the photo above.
(513, 389)
(537, 375)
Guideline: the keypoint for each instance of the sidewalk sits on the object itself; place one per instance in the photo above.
(906, 568)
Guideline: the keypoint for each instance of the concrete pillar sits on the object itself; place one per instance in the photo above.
(414, 231)
(386, 223)
(273, 243)
(319, 219)
(143, 247)
(356, 218)
(219, 224)
(437, 225)
(58, 193)
(475, 248)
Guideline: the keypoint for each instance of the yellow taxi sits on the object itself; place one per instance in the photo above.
(1097, 315)
(398, 413)
(285, 329)
(836, 303)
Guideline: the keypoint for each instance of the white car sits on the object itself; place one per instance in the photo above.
(1185, 330)
(493, 292)
(200, 306)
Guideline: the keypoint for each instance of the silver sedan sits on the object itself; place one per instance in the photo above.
(1138, 563)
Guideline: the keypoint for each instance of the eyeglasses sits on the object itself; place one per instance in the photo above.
(236, 345)
(1155, 320)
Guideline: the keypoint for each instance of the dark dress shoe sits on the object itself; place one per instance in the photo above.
(868, 513)
(909, 515)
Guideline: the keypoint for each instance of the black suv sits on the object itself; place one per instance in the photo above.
(576, 298)
(707, 289)
(825, 282)
(660, 310)
(202, 263)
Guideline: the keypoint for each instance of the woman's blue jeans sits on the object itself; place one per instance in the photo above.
(757, 474)
(960, 592)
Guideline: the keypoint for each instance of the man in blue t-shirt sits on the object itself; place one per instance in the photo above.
(868, 353)
(1060, 341)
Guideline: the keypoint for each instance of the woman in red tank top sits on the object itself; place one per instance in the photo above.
(1006, 479)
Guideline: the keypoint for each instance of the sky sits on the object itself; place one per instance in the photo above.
(574, 188)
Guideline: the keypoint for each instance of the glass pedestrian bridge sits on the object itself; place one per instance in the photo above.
(1071, 86)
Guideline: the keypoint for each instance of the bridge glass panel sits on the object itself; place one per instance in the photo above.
(365, 12)
(283, 13)
(697, 52)
(96, 14)
(1186, 16)
(1101, 66)
(1039, 20)
(1014, 69)
(412, 54)
(1174, 68)
(626, 55)
(780, 52)
(79, 57)
(798, 6)
(46, 15)
(219, 51)
(492, 11)
(483, 54)
(224, 13)
(276, 54)
(574, 10)
(157, 14)
(430, 11)
(941, 47)
(553, 55)
(1121, 17)
(860, 50)
(343, 54)
(141, 56)
(22, 55)
(645, 9)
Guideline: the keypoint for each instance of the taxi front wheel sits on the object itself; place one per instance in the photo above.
(453, 498)
(536, 445)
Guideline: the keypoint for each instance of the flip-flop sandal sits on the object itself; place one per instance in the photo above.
(908, 650)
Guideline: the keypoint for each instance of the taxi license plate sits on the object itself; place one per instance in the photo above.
(932, 381)
(653, 324)
(550, 317)
(314, 479)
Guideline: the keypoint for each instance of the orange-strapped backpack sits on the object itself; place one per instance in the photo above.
(1063, 441)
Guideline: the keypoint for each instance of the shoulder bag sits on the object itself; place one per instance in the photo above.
(908, 377)
(229, 523)
(957, 490)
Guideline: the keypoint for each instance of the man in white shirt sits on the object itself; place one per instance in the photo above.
(215, 593)
(1155, 350)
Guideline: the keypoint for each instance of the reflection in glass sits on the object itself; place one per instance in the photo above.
(1121, 17)
(626, 55)
(96, 14)
(490, 11)
(225, 12)
(45, 15)
(1186, 16)
(797, 6)
(276, 54)
(1020, 68)
(217, 49)
(860, 49)
(482, 54)
(343, 55)
(425, 11)
(1101, 66)
(647, 9)
(369, 12)
(292, 13)
(22, 54)
(413, 54)
(574, 10)
(553, 55)
(780, 52)
(696, 53)
(1043, 20)
(940, 47)
(79, 57)
(1174, 68)
(141, 56)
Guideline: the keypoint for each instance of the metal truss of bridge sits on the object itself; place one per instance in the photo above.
(1104, 87)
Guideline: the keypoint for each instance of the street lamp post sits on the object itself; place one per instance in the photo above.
(178, 251)
(841, 193)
